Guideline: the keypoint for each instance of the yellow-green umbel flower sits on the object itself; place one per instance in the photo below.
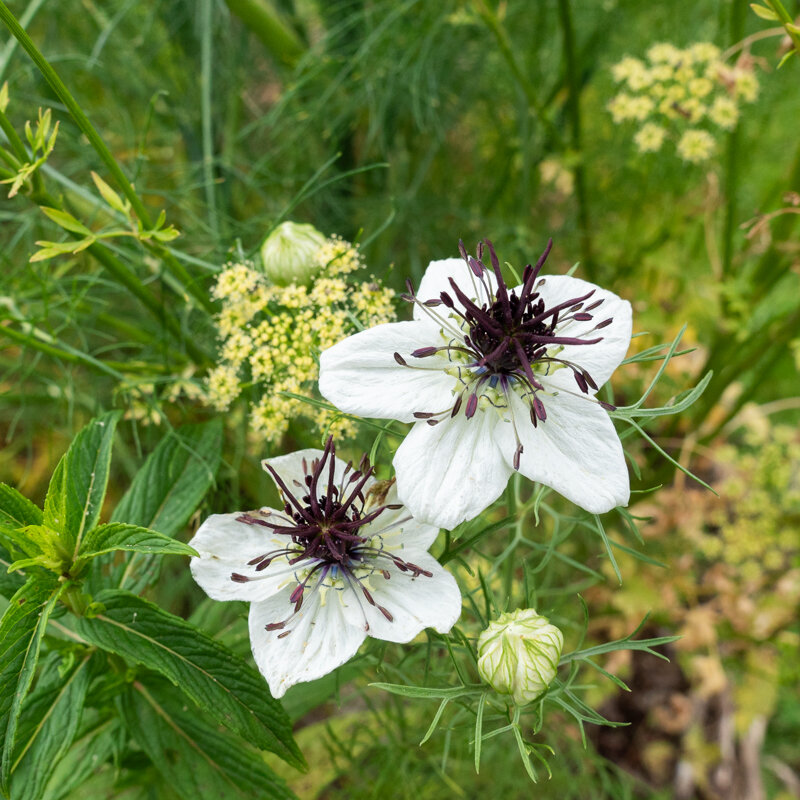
(518, 654)
(289, 253)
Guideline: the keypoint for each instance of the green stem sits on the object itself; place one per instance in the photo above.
(574, 115)
(787, 20)
(737, 22)
(281, 41)
(492, 22)
(86, 127)
(206, 77)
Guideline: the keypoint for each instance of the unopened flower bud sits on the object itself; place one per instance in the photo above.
(288, 254)
(518, 654)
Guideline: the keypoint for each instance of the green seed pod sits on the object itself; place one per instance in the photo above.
(288, 254)
(518, 654)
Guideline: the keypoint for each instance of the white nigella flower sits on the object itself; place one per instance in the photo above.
(342, 560)
(497, 380)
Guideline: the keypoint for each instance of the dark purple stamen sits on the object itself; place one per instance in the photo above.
(506, 337)
(324, 522)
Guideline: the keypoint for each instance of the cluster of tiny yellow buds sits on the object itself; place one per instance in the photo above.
(270, 336)
(674, 90)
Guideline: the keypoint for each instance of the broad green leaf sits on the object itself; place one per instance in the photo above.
(16, 511)
(78, 486)
(93, 747)
(21, 630)
(218, 681)
(9, 584)
(167, 490)
(49, 721)
(195, 758)
(120, 536)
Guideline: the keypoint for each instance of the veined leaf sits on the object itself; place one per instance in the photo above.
(194, 758)
(94, 746)
(16, 511)
(167, 490)
(48, 724)
(9, 584)
(120, 536)
(21, 630)
(78, 486)
(218, 681)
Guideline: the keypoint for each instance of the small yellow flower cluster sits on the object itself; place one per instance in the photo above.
(675, 92)
(270, 336)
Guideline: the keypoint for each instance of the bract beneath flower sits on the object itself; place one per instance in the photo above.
(343, 559)
(497, 380)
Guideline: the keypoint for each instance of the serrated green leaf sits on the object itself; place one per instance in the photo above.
(66, 220)
(120, 536)
(75, 495)
(49, 721)
(9, 584)
(194, 758)
(92, 748)
(16, 511)
(166, 491)
(21, 631)
(210, 675)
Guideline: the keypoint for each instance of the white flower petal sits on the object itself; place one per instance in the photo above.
(600, 359)
(359, 375)
(452, 471)
(291, 472)
(437, 280)
(225, 546)
(398, 529)
(575, 451)
(414, 603)
(320, 639)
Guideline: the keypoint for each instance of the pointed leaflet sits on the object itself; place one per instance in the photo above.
(217, 680)
(167, 490)
(119, 536)
(16, 513)
(78, 486)
(195, 758)
(21, 631)
(49, 721)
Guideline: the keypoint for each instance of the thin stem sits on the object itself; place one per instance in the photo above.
(787, 20)
(86, 127)
(206, 75)
(574, 114)
(274, 33)
(492, 22)
(737, 21)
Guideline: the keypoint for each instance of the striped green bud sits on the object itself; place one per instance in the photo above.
(518, 654)
(289, 253)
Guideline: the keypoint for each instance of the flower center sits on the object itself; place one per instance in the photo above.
(505, 340)
(325, 521)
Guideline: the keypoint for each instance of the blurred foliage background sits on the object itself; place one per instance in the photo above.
(404, 125)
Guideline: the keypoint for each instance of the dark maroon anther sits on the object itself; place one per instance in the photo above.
(432, 303)
(283, 635)
(607, 406)
(517, 455)
(582, 317)
(325, 523)
(472, 406)
(475, 266)
(432, 422)
(425, 352)
(386, 613)
(447, 300)
(422, 415)
(400, 360)
(581, 381)
(457, 405)
(538, 407)
(605, 323)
